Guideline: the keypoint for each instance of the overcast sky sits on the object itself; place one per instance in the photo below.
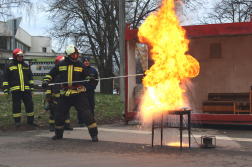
(37, 24)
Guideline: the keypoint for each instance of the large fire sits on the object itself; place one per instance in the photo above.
(165, 37)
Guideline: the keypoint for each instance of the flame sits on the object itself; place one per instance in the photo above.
(177, 144)
(168, 46)
(180, 2)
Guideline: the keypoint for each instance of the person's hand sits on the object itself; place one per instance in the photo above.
(6, 92)
(44, 84)
(92, 80)
(32, 90)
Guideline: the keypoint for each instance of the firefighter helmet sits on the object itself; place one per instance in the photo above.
(17, 52)
(72, 53)
(59, 58)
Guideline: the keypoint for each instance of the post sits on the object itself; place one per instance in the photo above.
(14, 24)
(122, 48)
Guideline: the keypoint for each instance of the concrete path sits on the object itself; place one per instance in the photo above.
(124, 145)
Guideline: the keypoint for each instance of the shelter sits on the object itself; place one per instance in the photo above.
(224, 53)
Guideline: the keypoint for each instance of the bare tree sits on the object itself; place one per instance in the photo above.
(10, 8)
(96, 23)
(226, 11)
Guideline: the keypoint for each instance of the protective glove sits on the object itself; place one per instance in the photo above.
(6, 92)
(32, 90)
(91, 80)
(44, 84)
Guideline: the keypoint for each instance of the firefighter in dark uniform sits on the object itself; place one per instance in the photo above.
(72, 93)
(90, 89)
(52, 97)
(18, 79)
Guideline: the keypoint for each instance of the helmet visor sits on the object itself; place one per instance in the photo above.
(20, 55)
(74, 56)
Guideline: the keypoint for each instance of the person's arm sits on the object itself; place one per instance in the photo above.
(49, 93)
(95, 75)
(52, 74)
(85, 75)
(6, 78)
(31, 82)
(49, 77)
(91, 86)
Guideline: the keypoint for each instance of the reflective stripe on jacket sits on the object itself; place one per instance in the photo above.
(18, 77)
(68, 71)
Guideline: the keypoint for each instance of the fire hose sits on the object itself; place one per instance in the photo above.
(125, 76)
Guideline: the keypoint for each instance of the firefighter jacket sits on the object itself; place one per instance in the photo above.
(18, 77)
(54, 91)
(94, 74)
(69, 71)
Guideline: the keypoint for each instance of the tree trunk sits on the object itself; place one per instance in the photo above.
(107, 86)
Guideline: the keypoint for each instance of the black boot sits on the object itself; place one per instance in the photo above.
(67, 126)
(17, 121)
(32, 123)
(94, 138)
(52, 128)
(58, 134)
(18, 124)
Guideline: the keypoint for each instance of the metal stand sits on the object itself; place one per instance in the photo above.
(181, 128)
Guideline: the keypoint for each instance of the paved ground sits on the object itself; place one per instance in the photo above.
(123, 145)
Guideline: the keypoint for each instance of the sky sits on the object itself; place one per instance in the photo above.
(36, 26)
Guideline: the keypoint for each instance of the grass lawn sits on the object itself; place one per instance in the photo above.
(108, 109)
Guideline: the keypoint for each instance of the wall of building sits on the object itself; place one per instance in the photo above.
(229, 74)
(4, 29)
(24, 37)
(131, 45)
(38, 42)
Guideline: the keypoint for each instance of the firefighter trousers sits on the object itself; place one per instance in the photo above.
(81, 105)
(52, 114)
(91, 102)
(16, 105)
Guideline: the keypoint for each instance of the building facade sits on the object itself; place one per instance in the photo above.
(37, 48)
(223, 52)
(33, 46)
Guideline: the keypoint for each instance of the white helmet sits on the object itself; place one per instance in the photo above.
(72, 52)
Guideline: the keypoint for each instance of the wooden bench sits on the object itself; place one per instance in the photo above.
(227, 103)
(244, 105)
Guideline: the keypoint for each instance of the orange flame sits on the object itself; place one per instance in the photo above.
(166, 39)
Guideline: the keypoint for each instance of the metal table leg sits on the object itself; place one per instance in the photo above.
(152, 132)
(162, 130)
(181, 128)
(189, 128)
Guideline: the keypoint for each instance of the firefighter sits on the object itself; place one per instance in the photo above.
(18, 79)
(52, 97)
(72, 93)
(90, 89)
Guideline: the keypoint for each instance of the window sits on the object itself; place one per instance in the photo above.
(44, 50)
(22, 46)
(5, 43)
(215, 50)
